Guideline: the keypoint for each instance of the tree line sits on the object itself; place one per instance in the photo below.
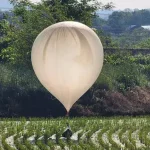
(119, 21)
(28, 20)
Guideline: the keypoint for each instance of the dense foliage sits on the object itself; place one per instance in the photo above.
(21, 94)
(133, 39)
(30, 19)
(122, 71)
(120, 20)
(125, 28)
(144, 44)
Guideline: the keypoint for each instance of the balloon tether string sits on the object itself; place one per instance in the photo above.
(67, 114)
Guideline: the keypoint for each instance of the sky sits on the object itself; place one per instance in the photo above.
(5, 3)
(132, 4)
(119, 4)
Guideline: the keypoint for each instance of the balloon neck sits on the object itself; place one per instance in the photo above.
(67, 114)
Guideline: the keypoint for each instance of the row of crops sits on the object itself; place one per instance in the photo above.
(119, 133)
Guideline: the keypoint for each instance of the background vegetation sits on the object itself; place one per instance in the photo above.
(121, 87)
(126, 27)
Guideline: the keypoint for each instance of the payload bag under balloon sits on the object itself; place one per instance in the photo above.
(67, 58)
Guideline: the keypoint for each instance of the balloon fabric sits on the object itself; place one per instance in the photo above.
(67, 58)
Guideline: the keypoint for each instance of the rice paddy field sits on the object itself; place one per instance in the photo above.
(112, 133)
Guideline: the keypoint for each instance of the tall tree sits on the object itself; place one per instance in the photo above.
(30, 19)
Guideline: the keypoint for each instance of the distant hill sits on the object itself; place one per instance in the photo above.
(104, 14)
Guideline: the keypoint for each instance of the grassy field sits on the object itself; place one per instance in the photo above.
(116, 133)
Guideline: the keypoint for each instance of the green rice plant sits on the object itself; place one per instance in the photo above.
(51, 145)
(114, 144)
(19, 145)
(132, 141)
(41, 145)
(127, 126)
(101, 141)
(28, 145)
(5, 145)
(123, 130)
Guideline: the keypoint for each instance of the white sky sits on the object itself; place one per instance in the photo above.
(119, 4)
(122, 4)
(132, 4)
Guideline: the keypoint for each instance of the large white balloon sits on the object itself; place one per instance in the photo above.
(67, 58)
